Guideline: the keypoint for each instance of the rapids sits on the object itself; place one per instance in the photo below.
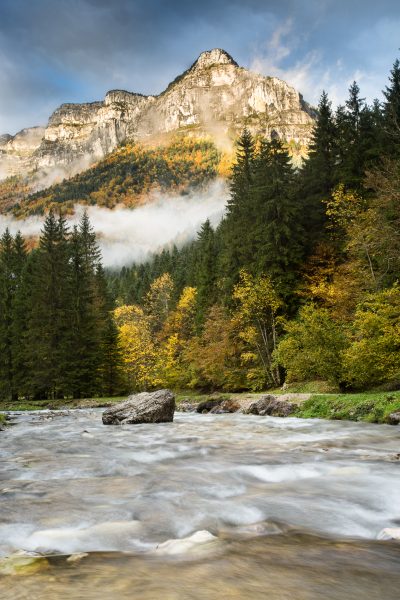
(294, 508)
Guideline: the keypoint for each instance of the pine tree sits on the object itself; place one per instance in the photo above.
(6, 314)
(237, 242)
(49, 326)
(372, 140)
(110, 364)
(276, 225)
(317, 177)
(319, 168)
(85, 336)
(206, 270)
(351, 165)
(391, 113)
(18, 328)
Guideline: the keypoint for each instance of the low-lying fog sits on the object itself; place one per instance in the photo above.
(132, 235)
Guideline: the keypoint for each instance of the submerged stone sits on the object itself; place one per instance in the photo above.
(188, 545)
(23, 563)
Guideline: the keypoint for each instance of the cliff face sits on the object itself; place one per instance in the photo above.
(214, 96)
(17, 152)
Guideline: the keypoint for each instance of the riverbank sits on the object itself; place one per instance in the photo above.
(372, 407)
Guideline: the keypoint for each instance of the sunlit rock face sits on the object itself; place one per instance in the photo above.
(16, 152)
(215, 96)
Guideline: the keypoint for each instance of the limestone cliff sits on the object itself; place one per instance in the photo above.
(17, 152)
(214, 96)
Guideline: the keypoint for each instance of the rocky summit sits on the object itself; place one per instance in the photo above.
(214, 96)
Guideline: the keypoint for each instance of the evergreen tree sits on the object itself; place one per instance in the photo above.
(49, 327)
(110, 364)
(276, 227)
(372, 140)
(320, 165)
(206, 270)
(391, 112)
(6, 314)
(18, 328)
(85, 335)
(318, 175)
(351, 163)
(235, 230)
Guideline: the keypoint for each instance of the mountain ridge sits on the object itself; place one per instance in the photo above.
(214, 96)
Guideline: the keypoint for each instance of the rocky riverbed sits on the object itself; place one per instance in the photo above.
(207, 506)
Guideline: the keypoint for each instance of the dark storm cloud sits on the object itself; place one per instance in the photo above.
(54, 51)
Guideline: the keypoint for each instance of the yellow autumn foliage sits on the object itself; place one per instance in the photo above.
(139, 353)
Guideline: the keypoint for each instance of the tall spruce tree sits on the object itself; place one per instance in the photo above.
(391, 113)
(24, 267)
(351, 159)
(49, 327)
(206, 271)
(109, 368)
(319, 168)
(235, 230)
(276, 227)
(317, 176)
(6, 314)
(18, 327)
(85, 360)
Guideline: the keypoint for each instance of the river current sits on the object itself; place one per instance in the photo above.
(293, 508)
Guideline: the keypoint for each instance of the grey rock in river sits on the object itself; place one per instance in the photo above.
(147, 407)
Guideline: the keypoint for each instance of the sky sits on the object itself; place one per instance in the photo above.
(55, 51)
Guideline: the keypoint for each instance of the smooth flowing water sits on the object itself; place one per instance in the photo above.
(295, 507)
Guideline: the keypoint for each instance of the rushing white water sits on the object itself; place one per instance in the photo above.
(69, 484)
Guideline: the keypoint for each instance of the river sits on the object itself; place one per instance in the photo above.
(293, 508)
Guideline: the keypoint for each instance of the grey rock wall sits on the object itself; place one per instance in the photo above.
(215, 96)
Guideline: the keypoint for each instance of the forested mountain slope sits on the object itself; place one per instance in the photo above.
(124, 177)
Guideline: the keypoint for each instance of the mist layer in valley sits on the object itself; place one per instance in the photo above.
(129, 236)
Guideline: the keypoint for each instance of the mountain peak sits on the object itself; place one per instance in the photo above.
(213, 97)
(216, 56)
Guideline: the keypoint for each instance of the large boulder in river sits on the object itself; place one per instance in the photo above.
(147, 407)
(272, 406)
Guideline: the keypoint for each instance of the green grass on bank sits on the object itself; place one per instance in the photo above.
(374, 407)
(308, 387)
(58, 404)
(2, 420)
(195, 396)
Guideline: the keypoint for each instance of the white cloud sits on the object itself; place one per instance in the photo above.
(309, 74)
